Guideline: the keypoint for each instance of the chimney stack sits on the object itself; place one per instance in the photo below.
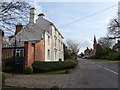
(18, 28)
(41, 15)
(32, 15)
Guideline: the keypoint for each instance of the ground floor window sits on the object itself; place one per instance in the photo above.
(48, 54)
(18, 52)
(55, 54)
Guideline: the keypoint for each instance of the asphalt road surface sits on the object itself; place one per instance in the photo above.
(94, 74)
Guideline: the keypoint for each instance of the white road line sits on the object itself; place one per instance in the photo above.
(111, 71)
(99, 65)
(107, 69)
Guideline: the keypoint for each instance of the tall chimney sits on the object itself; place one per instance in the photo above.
(32, 15)
(41, 15)
(18, 28)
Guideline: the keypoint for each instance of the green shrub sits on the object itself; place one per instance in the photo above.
(114, 56)
(8, 69)
(29, 69)
(39, 66)
(3, 77)
(68, 71)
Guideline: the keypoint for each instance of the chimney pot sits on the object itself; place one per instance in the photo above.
(18, 28)
(41, 15)
(32, 15)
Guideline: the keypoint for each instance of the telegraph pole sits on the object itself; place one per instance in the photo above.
(14, 55)
(119, 17)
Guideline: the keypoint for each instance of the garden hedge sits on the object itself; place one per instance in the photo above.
(39, 66)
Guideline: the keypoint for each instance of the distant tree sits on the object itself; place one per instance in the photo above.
(105, 42)
(12, 13)
(114, 29)
(67, 53)
(81, 54)
(99, 51)
(73, 46)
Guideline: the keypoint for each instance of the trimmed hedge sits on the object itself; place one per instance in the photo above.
(39, 66)
(114, 56)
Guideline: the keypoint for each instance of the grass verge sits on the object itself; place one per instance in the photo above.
(115, 61)
(55, 72)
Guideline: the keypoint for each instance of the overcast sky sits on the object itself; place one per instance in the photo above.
(63, 13)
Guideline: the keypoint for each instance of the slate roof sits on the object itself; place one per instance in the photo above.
(29, 33)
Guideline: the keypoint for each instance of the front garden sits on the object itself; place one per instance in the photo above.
(44, 68)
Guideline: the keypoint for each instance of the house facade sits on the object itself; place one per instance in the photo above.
(39, 40)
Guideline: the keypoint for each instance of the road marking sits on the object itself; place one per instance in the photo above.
(111, 71)
(107, 69)
(99, 65)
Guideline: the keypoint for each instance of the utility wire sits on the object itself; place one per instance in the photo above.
(88, 16)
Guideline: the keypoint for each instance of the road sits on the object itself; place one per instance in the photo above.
(94, 74)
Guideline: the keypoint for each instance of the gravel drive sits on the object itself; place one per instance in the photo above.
(37, 81)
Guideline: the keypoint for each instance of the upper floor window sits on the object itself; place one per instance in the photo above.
(48, 40)
(55, 41)
(59, 44)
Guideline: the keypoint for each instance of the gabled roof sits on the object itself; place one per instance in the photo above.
(54, 26)
(28, 34)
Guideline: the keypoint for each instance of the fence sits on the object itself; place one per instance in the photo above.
(13, 57)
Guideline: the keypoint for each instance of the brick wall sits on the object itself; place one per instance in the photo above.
(39, 51)
(7, 53)
(34, 52)
(29, 53)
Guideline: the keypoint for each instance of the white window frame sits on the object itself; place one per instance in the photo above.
(18, 51)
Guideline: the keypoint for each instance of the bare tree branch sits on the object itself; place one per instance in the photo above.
(13, 13)
(114, 28)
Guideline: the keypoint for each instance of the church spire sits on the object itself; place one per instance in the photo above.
(94, 43)
(95, 40)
